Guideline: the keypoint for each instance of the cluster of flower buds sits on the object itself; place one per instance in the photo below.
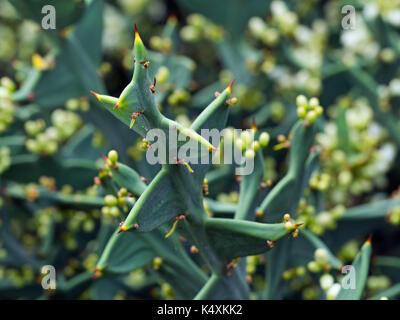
(320, 181)
(46, 141)
(178, 97)
(308, 110)
(247, 143)
(231, 266)
(81, 104)
(161, 44)
(329, 286)
(320, 262)
(113, 204)
(299, 271)
(199, 27)
(260, 30)
(291, 226)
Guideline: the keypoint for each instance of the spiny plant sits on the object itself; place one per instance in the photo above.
(176, 194)
(186, 232)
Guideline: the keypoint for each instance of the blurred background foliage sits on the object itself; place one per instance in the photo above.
(53, 132)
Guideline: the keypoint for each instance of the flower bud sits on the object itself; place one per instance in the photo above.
(313, 102)
(301, 101)
(326, 281)
(301, 112)
(311, 116)
(333, 291)
(113, 156)
(110, 200)
(313, 267)
(264, 139)
(250, 154)
(114, 212)
(321, 256)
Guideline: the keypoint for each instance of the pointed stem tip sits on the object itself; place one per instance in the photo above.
(231, 85)
(369, 240)
(137, 37)
(96, 95)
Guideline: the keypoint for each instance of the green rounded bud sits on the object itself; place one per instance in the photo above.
(300, 271)
(114, 212)
(311, 116)
(301, 112)
(122, 192)
(313, 267)
(106, 211)
(157, 263)
(301, 101)
(287, 275)
(255, 145)
(250, 154)
(247, 137)
(321, 256)
(110, 200)
(72, 104)
(239, 144)
(7, 83)
(113, 156)
(326, 281)
(162, 75)
(156, 42)
(319, 110)
(314, 102)
(289, 226)
(345, 178)
(50, 147)
(264, 139)
(190, 33)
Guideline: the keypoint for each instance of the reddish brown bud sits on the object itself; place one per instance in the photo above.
(263, 185)
(180, 217)
(97, 181)
(143, 179)
(145, 64)
(281, 138)
(194, 250)
(31, 97)
(153, 86)
(259, 214)
(135, 115)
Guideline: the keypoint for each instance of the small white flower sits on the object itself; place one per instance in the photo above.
(394, 86)
(278, 8)
(326, 281)
(370, 11)
(393, 17)
(333, 291)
